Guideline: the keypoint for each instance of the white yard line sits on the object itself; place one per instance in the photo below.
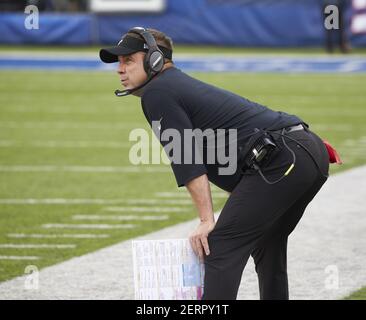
(59, 110)
(123, 126)
(73, 201)
(6, 143)
(97, 169)
(331, 127)
(61, 201)
(19, 258)
(146, 209)
(330, 236)
(87, 226)
(120, 218)
(36, 246)
(67, 125)
(66, 144)
(56, 236)
(160, 201)
(215, 194)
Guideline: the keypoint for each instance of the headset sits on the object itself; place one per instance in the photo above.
(153, 62)
(154, 58)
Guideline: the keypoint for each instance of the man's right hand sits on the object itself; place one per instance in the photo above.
(198, 238)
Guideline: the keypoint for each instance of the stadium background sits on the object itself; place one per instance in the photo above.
(64, 137)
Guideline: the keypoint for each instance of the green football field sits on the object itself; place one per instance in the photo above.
(65, 176)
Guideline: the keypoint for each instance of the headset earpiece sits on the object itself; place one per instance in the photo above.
(154, 58)
(155, 61)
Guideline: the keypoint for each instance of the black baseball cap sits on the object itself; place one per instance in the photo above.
(126, 46)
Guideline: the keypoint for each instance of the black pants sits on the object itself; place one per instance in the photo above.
(258, 218)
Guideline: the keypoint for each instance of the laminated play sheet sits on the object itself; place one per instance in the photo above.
(166, 270)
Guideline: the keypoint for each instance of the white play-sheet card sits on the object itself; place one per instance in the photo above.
(166, 270)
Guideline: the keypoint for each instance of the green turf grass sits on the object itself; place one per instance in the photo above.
(80, 106)
(358, 295)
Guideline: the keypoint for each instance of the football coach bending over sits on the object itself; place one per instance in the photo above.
(280, 164)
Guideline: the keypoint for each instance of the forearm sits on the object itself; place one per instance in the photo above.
(200, 191)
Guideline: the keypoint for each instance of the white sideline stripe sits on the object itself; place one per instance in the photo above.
(95, 201)
(55, 236)
(19, 258)
(46, 168)
(182, 195)
(119, 218)
(36, 246)
(88, 226)
(147, 209)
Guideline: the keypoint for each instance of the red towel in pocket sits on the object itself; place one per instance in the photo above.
(333, 155)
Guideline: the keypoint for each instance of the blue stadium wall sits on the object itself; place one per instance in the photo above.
(266, 23)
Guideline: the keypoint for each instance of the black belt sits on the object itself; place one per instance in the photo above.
(259, 142)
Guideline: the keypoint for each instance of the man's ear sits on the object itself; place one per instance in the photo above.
(140, 54)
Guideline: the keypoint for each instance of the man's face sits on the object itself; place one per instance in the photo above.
(131, 70)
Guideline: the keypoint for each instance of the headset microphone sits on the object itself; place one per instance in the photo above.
(123, 93)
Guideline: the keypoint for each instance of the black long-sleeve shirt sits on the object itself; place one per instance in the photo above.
(178, 101)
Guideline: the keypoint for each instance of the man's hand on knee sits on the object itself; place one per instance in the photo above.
(198, 238)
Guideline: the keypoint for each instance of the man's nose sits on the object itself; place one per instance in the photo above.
(121, 68)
